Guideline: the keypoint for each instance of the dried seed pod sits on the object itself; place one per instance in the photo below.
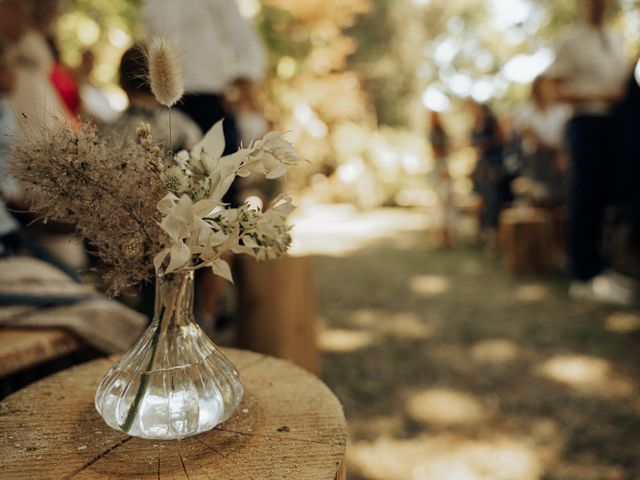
(165, 72)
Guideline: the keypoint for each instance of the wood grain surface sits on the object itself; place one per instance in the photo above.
(277, 303)
(288, 426)
(22, 348)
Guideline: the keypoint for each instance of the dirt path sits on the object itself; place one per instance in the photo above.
(449, 368)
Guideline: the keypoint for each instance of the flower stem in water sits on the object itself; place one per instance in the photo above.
(144, 380)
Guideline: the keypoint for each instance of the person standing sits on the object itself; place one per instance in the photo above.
(440, 146)
(489, 176)
(35, 100)
(144, 108)
(94, 103)
(219, 50)
(589, 72)
(541, 127)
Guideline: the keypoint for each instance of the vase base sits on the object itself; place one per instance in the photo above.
(177, 402)
(174, 382)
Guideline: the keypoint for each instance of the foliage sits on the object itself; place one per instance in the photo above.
(400, 48)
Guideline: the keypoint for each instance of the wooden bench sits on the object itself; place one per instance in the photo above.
(24, 348)
(289, 425)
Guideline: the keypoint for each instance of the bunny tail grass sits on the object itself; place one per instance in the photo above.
(165, 72)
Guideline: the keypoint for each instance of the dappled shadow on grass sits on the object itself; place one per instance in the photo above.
(468, 370)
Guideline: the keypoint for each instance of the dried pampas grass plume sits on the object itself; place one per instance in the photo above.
(165, 73)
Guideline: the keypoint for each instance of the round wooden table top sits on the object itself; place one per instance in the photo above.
(288, 426)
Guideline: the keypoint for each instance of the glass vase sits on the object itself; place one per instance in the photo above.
(174, 382)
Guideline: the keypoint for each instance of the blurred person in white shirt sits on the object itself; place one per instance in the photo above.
(590, 71)
(35, 100)
(541, 126)
(95, 104)
(219, 49)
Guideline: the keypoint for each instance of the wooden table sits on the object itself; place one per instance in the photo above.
(288, 426)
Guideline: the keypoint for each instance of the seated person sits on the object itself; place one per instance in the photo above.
(179, 130)
(541, 127)
(44, 289)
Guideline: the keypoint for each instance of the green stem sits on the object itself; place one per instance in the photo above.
(144, 380)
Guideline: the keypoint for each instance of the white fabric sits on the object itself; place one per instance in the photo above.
(96, 105)
(8, 224)
(547, 125)
(9, 189)
(216, 44)
(592, 63)
(252, 125)
(34, 100)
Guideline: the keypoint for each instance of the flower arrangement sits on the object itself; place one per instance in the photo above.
(144, 208)
(200, 226)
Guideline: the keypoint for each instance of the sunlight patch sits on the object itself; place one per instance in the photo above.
(443, 406)
(622, 322)
(588, 374)
(532, 293)
(340, 229)
(430, 285)
(337, 340)
(495, 351)
(365, 317)
(446, 457)
(408, 326)
(402, 325)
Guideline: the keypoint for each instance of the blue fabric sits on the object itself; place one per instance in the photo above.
(8, 128)
(41, 300)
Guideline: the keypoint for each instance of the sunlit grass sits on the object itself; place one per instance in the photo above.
(340, 230)
(446, 457)
(443, 406)
(338, 340)
(455, 385)
(429, 285)
(623, 322)
(496, 351)
(532, 293)
(588, 374)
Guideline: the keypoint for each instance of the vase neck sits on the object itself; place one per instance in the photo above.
(174, 299)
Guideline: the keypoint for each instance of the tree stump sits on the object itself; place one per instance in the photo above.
(527, 240)
(277, 310)
(288, 426)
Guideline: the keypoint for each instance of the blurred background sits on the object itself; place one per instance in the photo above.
(388, 61)
(448, 334)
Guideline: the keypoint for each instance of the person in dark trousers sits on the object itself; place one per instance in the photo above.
(589, 72)
(220, 52)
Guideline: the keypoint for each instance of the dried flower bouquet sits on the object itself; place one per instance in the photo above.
(142, 207)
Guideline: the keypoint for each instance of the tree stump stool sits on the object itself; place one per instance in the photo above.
(527, 240)
(288, 426)
(277, 309)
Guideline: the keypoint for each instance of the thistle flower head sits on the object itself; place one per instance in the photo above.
(175, 180)
(165, 72)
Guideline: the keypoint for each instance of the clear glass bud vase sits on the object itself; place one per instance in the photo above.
(174, 382)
